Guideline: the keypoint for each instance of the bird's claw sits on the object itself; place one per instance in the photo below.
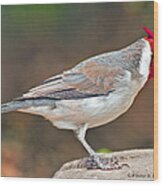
(97, 162)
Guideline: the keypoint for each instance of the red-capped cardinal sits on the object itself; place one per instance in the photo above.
(93, 93)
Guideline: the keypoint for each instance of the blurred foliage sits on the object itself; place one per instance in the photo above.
(103, 150)
(42, 40)
(30, 13)
(132, 9)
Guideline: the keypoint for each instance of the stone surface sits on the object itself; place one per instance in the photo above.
(140, 167)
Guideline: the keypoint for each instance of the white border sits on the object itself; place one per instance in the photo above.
(43, 182)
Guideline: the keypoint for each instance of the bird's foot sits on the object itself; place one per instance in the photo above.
(97, 162)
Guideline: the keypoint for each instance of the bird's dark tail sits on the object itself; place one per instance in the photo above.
(11, 106)
(25, 103)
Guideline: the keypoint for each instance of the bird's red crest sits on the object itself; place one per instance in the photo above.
(150, 39)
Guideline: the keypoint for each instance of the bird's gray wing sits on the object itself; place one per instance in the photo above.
(89, 79)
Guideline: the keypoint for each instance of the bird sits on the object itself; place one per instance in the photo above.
(93, 93)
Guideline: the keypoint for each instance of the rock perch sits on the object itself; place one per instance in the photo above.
(140, 167)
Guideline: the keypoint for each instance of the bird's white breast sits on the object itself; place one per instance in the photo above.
(96, 111)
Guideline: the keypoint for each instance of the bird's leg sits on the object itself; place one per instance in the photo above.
(95, 161)
(80, 134)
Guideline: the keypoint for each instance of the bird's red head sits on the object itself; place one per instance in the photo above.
(150, 39)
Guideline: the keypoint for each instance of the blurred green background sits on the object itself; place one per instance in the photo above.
(39, 41)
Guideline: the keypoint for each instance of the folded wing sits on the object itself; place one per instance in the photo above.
(87, 80)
